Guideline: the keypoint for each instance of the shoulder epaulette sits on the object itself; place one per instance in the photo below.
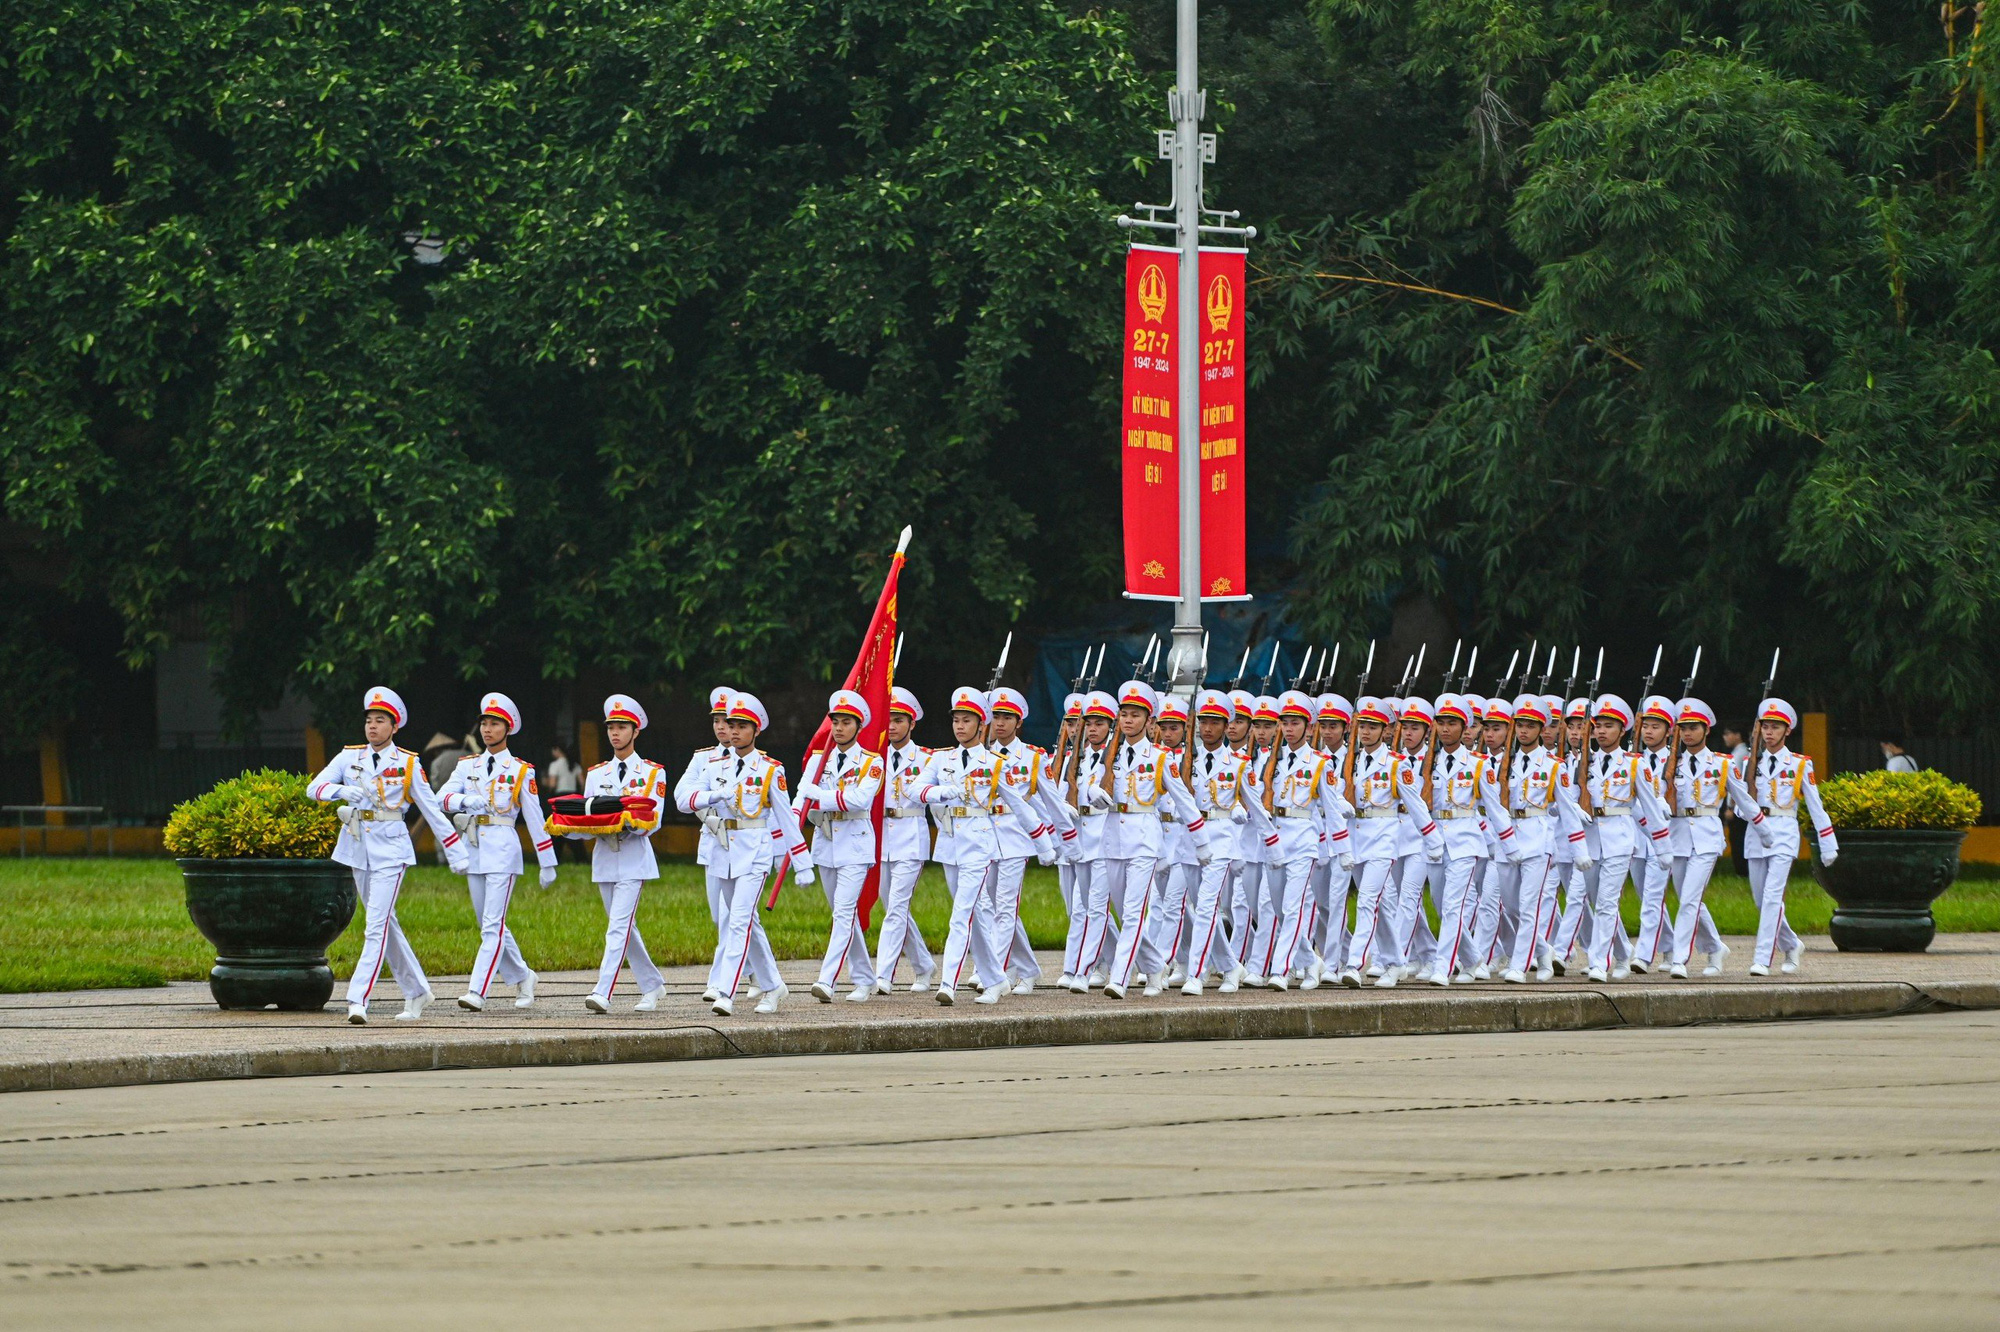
(595, 766)
(350, 746)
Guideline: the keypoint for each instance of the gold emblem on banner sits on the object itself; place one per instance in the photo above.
(1152, 293)
(1221, 587)
(1221, 304)
(1154, 569)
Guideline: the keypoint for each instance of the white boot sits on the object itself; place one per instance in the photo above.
(358, 1014)
(1790, 965)
(1025, 985)
(861, 994)
(1513, 976)
(596, 1005)
(413, 1006)
(822, 992)
(723, 1007)
(471, 1002)
(1192, 987)
(1716, 959)
(767, 1002)
(649, 1001)
(524, 993)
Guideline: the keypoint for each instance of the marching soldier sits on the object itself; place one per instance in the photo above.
(1466, 801)
(1382, 790)
(1304, 804)
(1093, 938)
(1627, 822)
(1330, 880)
(844, 790)
(1411, 948)
(1024, 768)
(1779, 781)
(1573, 861)
(747, 792)
(1178, 870)
(693, 779)
(1704, 783)
(378, 783)
(906, 845)
(1247, 911)
(485, 795)
(1215, 777)
(1134, 789)
(1658, 717)
(621, 864)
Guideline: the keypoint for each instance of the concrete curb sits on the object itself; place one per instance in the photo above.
(1099, 1022)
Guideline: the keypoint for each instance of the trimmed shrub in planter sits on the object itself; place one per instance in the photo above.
(1900, 834)
(253, 854)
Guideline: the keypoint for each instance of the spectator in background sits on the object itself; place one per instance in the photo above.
(441, 758)
(564, 778)
(1893, 757)
(1733, 745)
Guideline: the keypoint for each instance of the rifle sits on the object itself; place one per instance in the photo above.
(1771, 680)
(1645, 692)
(1471, 665)
(1319, 687)
(1264, 685)
(1674, 769)
(1305, 663)
(1548, 671)
(1500, 685)
(1583, 755)
(1360, 692)
(986, 733)
(1452, 669)
(1242, 668)
(1067, 739)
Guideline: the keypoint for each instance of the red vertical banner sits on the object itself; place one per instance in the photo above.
(1222, 382)
(1149, 422)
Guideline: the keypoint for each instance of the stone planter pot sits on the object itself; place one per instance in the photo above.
(270, 922)
(1883, 884)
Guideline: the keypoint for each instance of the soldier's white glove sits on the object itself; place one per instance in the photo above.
(811, 791)
(1238, 814)
(1828, 854)
(1203, 856)
(1765, 837)
(353, 795)
(548, 875)
(1516, 853)
(1045, 854)
(804, 874)
(948, 795)
(1584, 864)
(1100, 798)
(1585, 817)
(459, 864)
(1347, 860)
(345, 814)
(473, 804)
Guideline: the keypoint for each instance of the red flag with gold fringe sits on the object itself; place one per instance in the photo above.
(872, 676)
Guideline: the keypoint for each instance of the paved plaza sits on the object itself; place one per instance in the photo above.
(1809, 1174)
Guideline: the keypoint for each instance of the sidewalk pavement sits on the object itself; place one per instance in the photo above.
(175, 1033)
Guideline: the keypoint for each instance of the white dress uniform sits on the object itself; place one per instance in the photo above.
(621, 864)
(1467, 802)
(965, 784)
(1655, 937)
(1383, 791)
(1023, 828)
(1412, 947)
(1302, 806)
(906, 845)
(757, 828)
(1705, 782)
(1246, 909)
(1092, 940)
(695, 778)
(1175, 876)
(1331, 878)
(379, 787)
(1779, 783)
(487, 795)
(1215, 777)
(1627, 820)
(1133, 791)
(844, 783)
(1572, 858)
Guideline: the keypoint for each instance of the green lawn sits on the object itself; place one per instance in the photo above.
(77, 924)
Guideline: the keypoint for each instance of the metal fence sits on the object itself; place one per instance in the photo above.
(1971, 760)
(144, 785)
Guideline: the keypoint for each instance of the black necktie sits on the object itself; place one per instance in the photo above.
(377, 756)
(739, 768)
(489, 765)
(1208, 763)
(621, 770)
(840, 765)
(1128, 756)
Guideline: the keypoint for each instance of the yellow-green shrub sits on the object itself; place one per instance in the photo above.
(1899, 800)
(260, 815)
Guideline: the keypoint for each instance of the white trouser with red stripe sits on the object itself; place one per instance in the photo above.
(1374, 909)
(1768, 875)
(1130, 884)
(1693, 926)
(1093, 935)
(1451, 894)
(899, 931)
(499, 955)
(382, 938)
(744, 944)
(1411, 942)
(621, 939)
(1529, 893)
(1009, 937)
(1161, 948)
(1281, 917)
(1608, 942)
(1249, 881)
(1573, 929)
(1209, 949)
(1489, 914)
(971, 932)
(1656, 925)
(845, 941)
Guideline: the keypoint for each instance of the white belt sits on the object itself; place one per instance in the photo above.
(1292, 812)
(743, 825)
(1780, 809)
(1123, 808)
(1538, 812)
(841, 815)
(970, 812)
(1702, 812)
(1615, 809)
(379, 815)
(1376, 812)
(903, 813)
(1454, 812)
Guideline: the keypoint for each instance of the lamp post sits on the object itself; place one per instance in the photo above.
(1188, 149)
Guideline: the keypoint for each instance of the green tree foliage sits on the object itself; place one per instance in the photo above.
(722, 294)
(1684, 326)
